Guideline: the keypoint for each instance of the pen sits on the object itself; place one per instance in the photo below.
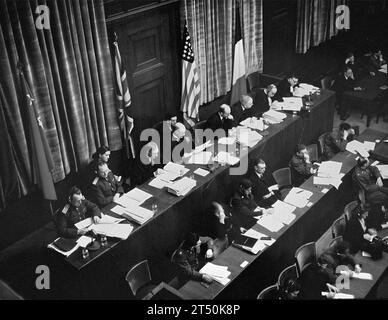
(204, 284)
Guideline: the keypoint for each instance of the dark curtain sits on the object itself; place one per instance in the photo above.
(70, 74)
(315, 22)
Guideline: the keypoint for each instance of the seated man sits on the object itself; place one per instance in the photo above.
(222, 119)
(344, 82)
(286, 87)
(243, 109)
(171, 121)
(359, 68)
(301, 167)
(180, 143)
(76, 210)
(150, 161)
(265, 98)
(264, 194)
(290, 290)
(105, 188)
(376, 60)
(244, 205)
(369, 179)
(336, 141)
(187, 257)
(342, 256)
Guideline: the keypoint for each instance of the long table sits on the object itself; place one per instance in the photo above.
(309, 224)
(177, 215)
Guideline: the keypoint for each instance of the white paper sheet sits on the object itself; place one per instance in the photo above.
(138, 195)
(200, 158)
(284, 212)
(227, 158)
(257, 235)
(292, 103)
(357, 147)
(121, 231)
(201, 172)
(84, 223)
(227, 140)
(157, 183)
(84, 241)
(178, 169)
(329, 169)
(360, 275)
(369, 146)
(340, 295)
(107, 219)
(298, 197)
(270, 223)
(383, 170)
(212, 269)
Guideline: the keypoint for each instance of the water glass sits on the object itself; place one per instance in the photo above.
(103, 240)
(85, 253)
(154, 207)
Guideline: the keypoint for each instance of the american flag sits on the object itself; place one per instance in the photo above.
(126, 121)
(190, 86)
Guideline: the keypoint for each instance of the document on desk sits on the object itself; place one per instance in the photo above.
(383, 168)
(284, 212)
(253, 123)
(227, 140)
(258, 235)
(227, 158)
(84, 241)
(357, 147)
(369, 146)
(360, 275)
(212, 269)
(270, 223)
(298, 197)
(329, 169)
(158, 183)
(134, 212)
(201, 172)
(138, 195)
(249, 139)
(182, 186)
(121, 231)
(126, 201)
(107, 219)
(275, 116)
(200, 158)
(335, 182)
(383, 68)
(178, 169)
(84, 223)
(292, 104)
(339, 295)
(203, 147)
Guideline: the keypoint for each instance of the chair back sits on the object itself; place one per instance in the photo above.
(361, 195)
(282, 177)
(304, 256)
(138, 276)
(336, 241)
(286, 274)
(321, 142)
(349, 208)
(312, 150)
(338, 227)
(269, 293)
(327, 82)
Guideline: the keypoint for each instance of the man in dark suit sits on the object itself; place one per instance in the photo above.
(244, 205)
(105, 187)
(264, 194)
(222, 119)
(264, 98)
(376, 60)
(336, 141)
(286, 87)
(243, 109)
(359, 67)
(345, 82)
(301, 167)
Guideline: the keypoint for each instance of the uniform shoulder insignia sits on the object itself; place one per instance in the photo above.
(65, 209)
(95, 180)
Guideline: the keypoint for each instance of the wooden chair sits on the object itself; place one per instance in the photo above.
(283, 180)
(139, 279)
(287, 273)
(327, 82)
(269, 293)
(305, 255)
(336, 241)
(321, 144)
(312, 150)
(349, 208)
(338, 227)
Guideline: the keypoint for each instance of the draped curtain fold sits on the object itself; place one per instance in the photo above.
(315, 22)
(70, 74)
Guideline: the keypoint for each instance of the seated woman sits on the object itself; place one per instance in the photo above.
(221, 227)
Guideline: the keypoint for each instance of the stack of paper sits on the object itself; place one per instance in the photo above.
(357, 147)
(107, 219)
(84, 241)
(83, 224)
(383, 170)
(298, 197)
(284, 212)
(134, 212)
(270, 223)
(292, 104)
(158, 183)
(304, 89)
(258, 235)
(273, 116)
(335, 182)
(134, 196)
(383, 69)
(175, 168)
(329, 169)
(253, 123)
(248, 138)
(200, 158)
(226, 158)
(121, 231)
(218, 273)
(227, 140)
(182, 186)
(369, 146)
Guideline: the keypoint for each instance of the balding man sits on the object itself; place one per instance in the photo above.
(265, 97)
(222, 119)
(243, 109)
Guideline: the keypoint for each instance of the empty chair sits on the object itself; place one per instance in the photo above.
(338, 227)
(349, 208)
(269, 293)
(304, 256)
(312, 149)
(286, 274)
(283, 180)
(139, 279)
(327, 82)
(335, 241)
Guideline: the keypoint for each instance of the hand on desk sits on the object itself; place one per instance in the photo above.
(116, 196)
(96, 219)
(207, 278)
(82, 232)
(209, 254)
(357, 268)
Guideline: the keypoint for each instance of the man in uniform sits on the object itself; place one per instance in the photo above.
(187, 255)
(76, 210)
(105, 187)
(301, 167)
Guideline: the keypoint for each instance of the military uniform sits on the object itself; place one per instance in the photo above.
(244, 209)
(70, 215)
(366, 180)
(300, 170)
(187, 259)
(103, 190)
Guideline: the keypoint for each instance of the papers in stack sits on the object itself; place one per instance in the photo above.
(218, 273)
(273, 116)
(383, 170)
(158, 183)
(175, 168)
(201, 172)
(227, 140)
(134, 196)
(339, 295)
(360, 275)
(181, 187)
(64, 246)
(329, 169)
(258, 235)
(292, 104)
(227, 158)
(84, 223)
(134, 212)
(249, 138)
(357, 147)
(298, 197)
(383, 68)
(270, 223)
(84, 241)
(200, 158)
(335, 182)
(253, 123)
(121, 231)
(202, 147)
(369, 146)
(304, 89)
(284, 212)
